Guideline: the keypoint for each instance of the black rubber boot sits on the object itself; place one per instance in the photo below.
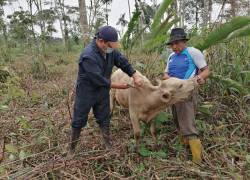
(106, 137)
(75, 134)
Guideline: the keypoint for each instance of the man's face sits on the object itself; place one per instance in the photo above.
(178, 46)
(104, 45)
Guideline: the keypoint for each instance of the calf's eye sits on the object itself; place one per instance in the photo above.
(181, 85)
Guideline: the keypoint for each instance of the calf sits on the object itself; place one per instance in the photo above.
(145, 102)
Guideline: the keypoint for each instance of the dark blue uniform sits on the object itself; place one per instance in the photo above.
(93, 84)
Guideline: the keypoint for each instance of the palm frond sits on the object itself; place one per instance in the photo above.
(161, 27)
(245, 31)
(160, 38)
(159, 14)
(222, 32)
(231, 84)
(131, 28)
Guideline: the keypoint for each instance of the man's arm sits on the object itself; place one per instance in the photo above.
(122, 62)
(119, 86)
(200, 62)
(203, 75)
(93, 72)
(165, 76)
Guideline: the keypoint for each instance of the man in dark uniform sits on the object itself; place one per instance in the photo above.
(93, 83)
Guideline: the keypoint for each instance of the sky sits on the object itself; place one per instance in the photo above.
(117, 8)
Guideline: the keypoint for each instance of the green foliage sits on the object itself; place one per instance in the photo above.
(5, 55)
(158, 35)
(4, 74)
(221, 33)
(20, 25)
(127, 38)
(245, 31)
(160, 38)
(146, 153)
(205, 108)
(231, 84)
(159, 14)
(11, 90)
(39, 69)
(11, 148)
(23, 122)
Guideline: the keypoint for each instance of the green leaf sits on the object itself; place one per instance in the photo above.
(24, 123)
(22, 155)
(160, 153)
(12, 157)
(221, 33)
(160, 12)
(159, 39)
(230, 84)
(3, 108)
(245, 31)
(248, 158)
(144, 152)
(2, 170)
(131, 28)
(11, 149)
(206, 109)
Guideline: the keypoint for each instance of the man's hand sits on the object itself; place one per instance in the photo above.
(199, 80)
(119, 86)
(165, 76)
(138, 81)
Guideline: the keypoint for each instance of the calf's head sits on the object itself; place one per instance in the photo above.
(174, 90)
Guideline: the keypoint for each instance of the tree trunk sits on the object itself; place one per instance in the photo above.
(30, 2)
(38, 4)
(181, 13)
(129, 10)
(64, 25)
(60, 20)
(177, 14)
(210, 9)
(233, 5)
(83, 21)
(205, 13)
(196, 15)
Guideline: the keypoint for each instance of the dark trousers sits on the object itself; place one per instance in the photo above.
(88, 97)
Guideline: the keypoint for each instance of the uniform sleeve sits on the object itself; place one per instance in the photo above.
(93, 73)
(122, 62)
(198, 57)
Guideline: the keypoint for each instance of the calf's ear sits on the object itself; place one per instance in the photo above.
(180, 86)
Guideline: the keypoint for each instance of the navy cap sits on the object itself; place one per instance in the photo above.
(107, 33)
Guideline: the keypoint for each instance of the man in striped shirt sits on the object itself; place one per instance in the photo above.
(185, 63)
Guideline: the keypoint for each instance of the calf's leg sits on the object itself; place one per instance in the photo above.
(136, 126)
(153, 132)
(112, 100)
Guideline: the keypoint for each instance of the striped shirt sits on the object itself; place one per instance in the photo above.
(186, 64)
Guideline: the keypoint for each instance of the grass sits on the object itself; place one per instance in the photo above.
(35, 121)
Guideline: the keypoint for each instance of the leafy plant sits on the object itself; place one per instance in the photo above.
(127, 37)
(222, 32)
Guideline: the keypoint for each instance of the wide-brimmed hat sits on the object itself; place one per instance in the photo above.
(177, 34)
